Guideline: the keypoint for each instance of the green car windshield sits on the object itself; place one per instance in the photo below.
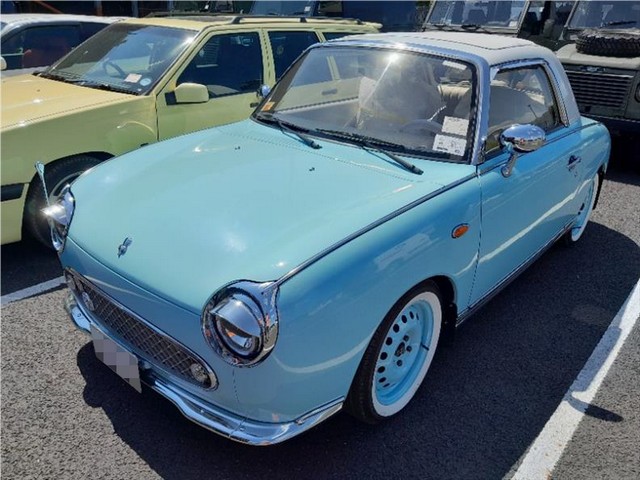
(123, 57)
(611, 14)
(502, 14)
(404, 102)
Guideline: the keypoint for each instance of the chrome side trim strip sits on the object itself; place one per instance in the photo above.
(306, 264)
(464, 316)
(213, 418)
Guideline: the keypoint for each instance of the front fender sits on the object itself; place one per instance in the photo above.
(114, 129)
(329, 311)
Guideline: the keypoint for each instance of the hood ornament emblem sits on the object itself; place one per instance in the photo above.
(122, 248)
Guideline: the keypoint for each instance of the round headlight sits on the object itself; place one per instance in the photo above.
(59, 215)
(241, 325)
(237, 320)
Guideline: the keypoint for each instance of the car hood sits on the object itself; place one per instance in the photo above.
(29, 98)
(243, 201)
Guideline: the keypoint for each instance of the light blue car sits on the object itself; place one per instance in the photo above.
(266, 274)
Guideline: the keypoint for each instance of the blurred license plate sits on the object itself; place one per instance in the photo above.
(116, 358)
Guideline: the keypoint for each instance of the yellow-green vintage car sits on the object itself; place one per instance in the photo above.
(135, 83)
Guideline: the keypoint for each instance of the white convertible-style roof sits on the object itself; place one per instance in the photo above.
(494, 49)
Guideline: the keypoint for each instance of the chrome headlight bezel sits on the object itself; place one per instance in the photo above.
(240, 322)
(60, 215)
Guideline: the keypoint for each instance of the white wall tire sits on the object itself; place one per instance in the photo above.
(398, 356)
(582, 219)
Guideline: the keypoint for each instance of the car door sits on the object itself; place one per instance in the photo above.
(231, 66)
(526, 210)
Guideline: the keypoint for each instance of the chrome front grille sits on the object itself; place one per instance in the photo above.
(600, 89)
(141, 339)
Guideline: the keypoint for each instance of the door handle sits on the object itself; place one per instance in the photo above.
(254, 104)
(573, 161)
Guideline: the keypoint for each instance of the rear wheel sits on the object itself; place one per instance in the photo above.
(57, 175)
(398, 356)
(582, 219)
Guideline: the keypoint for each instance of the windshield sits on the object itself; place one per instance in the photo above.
(612, 14)
(123, 57)
(409, 103)
(489, 14)
(285, 7)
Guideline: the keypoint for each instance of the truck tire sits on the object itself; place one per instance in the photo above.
(609, 43)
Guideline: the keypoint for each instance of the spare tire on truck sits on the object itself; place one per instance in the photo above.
(609, 43)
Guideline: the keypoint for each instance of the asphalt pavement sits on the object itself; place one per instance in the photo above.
(485, 400)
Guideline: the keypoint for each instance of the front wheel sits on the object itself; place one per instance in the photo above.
(398, 356)
(580, 223)
(57, 175)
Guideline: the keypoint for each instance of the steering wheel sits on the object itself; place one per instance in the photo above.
(421, 124)
(109, 63)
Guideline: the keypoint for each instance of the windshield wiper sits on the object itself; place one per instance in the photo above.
(371, 143)
(105, 86)
(619, 22)
(85, 83)
(291, 128)
(475, 26)
(439, 26)
(57, 76)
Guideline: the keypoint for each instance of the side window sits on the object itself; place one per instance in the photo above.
(287, 46)
(524, 96)
(227, 64)
(90, 29)
(40, 46)
(13, 50)
(545, 19)
(330, 9)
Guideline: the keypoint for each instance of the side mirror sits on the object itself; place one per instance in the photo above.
(3, 64)
(263, 91)
(520, 139)
(191, 93)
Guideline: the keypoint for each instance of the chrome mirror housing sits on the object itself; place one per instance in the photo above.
(520, 139)
(264, 90)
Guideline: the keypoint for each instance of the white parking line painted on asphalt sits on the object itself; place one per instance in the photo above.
(31, 291)
(546, 450)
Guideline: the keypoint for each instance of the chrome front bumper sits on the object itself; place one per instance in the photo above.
(213, 418)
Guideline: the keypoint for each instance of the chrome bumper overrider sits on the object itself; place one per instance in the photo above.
(210, 417)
